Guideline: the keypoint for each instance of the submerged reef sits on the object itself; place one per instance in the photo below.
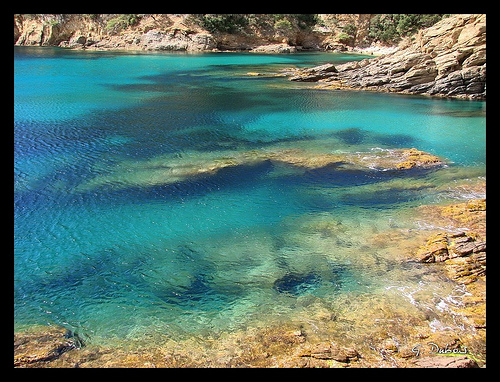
(178, 168)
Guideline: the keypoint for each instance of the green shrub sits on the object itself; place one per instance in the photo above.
(390, 28)
(283, 26)
(344, 38)
(120, 22)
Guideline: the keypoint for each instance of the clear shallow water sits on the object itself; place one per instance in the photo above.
(109, 243)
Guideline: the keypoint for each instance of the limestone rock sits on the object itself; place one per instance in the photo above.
(274, 48)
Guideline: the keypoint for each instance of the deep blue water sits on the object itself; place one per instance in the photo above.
(107, 244)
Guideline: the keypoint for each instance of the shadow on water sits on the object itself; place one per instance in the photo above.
(236, 177)
(298, 284)
(69, 293)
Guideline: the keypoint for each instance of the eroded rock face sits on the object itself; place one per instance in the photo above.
(445, 246)
(447, 59)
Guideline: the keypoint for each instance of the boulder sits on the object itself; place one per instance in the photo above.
(314, 74)
(274, 48)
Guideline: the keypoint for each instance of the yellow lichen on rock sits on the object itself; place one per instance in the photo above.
(413, 158)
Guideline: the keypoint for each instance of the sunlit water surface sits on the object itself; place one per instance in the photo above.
(111, 248)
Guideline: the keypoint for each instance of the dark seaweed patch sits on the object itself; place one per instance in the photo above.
(356, 136)
(297, 284)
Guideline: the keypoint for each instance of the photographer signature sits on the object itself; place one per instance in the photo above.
(435, 349)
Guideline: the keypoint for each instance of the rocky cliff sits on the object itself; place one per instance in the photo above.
(191, 32)
(447, 59)
(111, 31)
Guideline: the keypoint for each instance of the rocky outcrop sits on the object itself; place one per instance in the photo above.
(103, 32)
(40, 347)
(329, 351)
(463, 253)
(275, 48)
(447, 59)
(446, 246)
(314, 74)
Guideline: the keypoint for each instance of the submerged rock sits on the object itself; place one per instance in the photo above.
(40, 347)
(296, 284)
(173, 169)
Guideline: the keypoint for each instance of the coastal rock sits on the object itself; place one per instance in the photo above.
(447, 59)
(328, 351)
(176, 41)
(315, 74)
(274, 48)
(39, 347)
(470, 214)
(411, 158)
(463, 255)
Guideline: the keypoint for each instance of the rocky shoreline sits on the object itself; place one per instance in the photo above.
(447, 59)
(387, 336)
(258, 33)
(458, 252)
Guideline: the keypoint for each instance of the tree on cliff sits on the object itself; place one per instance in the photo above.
(390, 28)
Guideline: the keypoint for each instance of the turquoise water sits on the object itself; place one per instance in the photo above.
(110, 243)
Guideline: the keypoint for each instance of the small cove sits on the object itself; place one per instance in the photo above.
(122, 235)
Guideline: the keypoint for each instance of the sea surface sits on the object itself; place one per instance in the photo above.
(122, 234)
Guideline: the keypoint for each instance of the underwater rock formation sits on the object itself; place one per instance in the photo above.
(173, 169)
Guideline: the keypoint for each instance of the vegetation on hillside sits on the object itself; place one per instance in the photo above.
(390, 28)
(241, 23)
(386, 28)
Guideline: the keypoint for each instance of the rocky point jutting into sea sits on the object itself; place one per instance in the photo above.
(447, 59)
